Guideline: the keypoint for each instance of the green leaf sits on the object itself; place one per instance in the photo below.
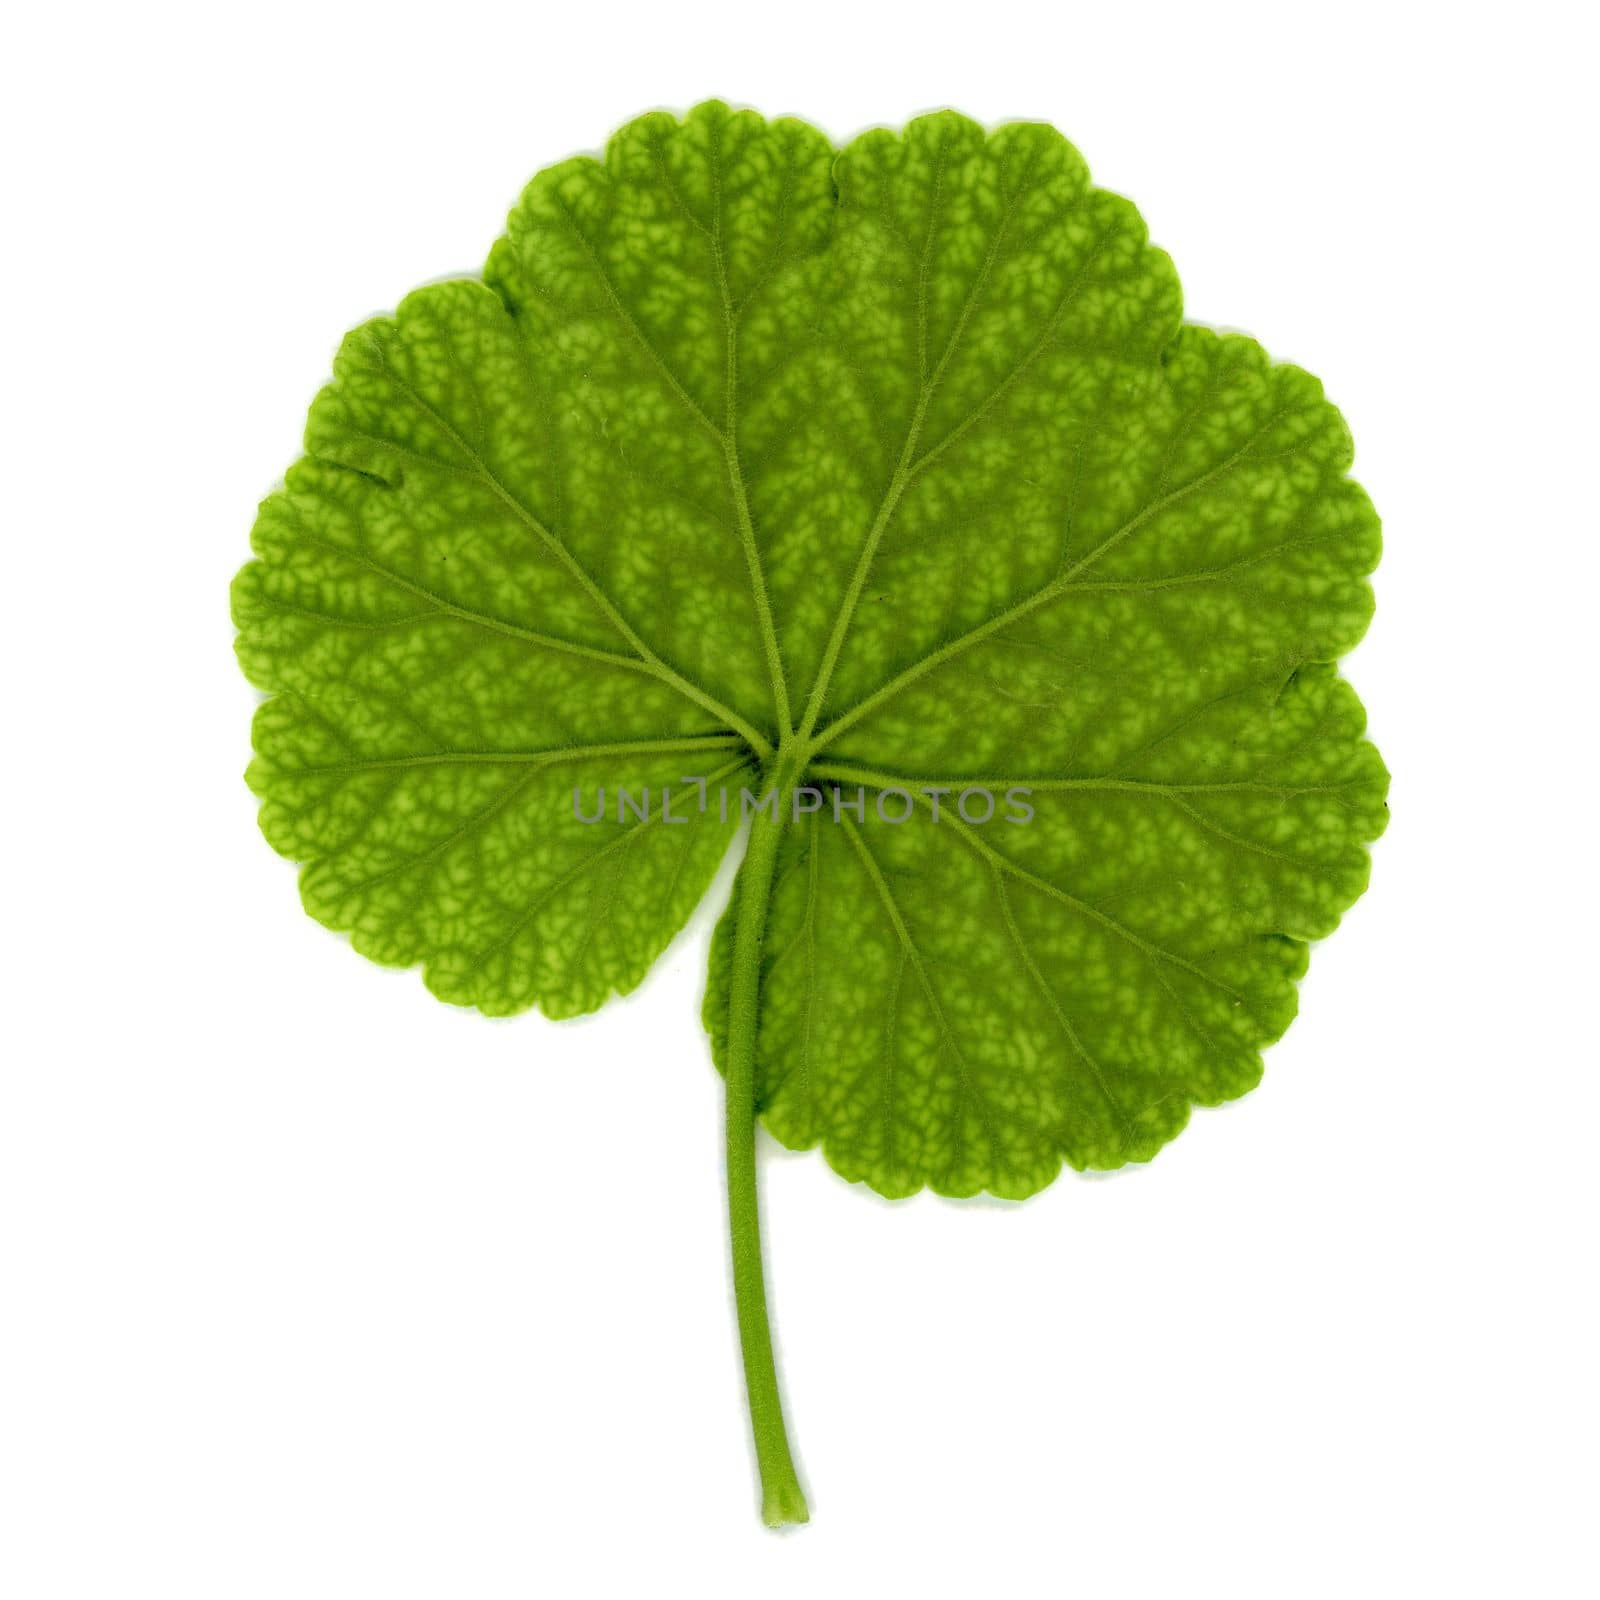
(833, 475)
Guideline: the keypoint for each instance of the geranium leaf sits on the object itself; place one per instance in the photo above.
(889, 486)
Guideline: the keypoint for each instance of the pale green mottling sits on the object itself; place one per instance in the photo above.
(899, 459)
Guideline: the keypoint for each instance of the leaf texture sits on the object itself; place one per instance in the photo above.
(893, 472)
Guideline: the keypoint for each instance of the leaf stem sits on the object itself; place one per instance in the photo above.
(782, 1500)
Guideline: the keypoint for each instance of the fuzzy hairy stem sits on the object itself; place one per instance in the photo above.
(781, 1498)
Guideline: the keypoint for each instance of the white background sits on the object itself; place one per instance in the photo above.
(316, 1288)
